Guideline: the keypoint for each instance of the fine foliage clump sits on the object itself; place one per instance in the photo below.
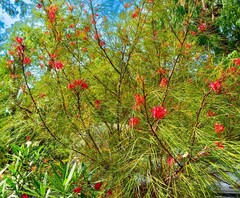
(144, 99)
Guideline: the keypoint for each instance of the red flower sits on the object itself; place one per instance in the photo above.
(26, 61)
(236, 61)
(39, 6)
(10, 62)
(211, 114)
(78, 83)
(161, 71)
(71, 86)
(84, 85)
(52, 13)
(140, 100)
(219, 145)
(232, 70)
(202, 27)
(216, 86)
(159, 112)
(72, 25)
(219, 128)
(170, 161)
(134, 121)
(24, 196)
(109, 192)
(135, 14)
(188, 46)
(163, 82)
(193, 33)
(58, 65)
(97, 36)
(98, 185)
(77, 190)
(19, 40)
(97, 104)
(102, 43)
(28, 138)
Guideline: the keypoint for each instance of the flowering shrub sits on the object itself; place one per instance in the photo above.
(147, 106)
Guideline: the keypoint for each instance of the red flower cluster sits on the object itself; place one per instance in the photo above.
(52, 13)
(24, 196)
(219, 145)
(211, 114)
(97, 104)
(139, 101)
(58, 65)
(159, 112)
(193, 33)
(202, 27)
(219, 128)
(170, 161)
(26, 61)
(78, 83)
(77, 190)
(164, 82)
(133, 121)
(98, 185)
(19, 40)
(236, 61)
(216, 86)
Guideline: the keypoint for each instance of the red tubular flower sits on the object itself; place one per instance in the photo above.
(135, 14)
(202, 27)
(58, 65)
(102, 43)
(170, 161)
(109, 193)
(193, 33)
(236, 61)
(52, 13)
(77, 190)
(211, 114)
(134, 121)
(164, 82)
(219, 128)
(97, 104)
(84, 85)
(24, 196)
(19, 40)
(216, 86)
(140, 100)
(159, 112)
(26, 61)
(98, 185)
(219, 145)
(71, 86)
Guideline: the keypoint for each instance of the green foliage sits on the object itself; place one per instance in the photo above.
(32, 172)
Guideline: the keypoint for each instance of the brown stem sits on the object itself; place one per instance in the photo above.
(197, 117)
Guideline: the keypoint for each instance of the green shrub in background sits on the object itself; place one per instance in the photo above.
(32, 173)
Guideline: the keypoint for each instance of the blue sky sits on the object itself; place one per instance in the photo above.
(4, 17)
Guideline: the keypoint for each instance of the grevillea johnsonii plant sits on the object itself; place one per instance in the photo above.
(146, 95)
